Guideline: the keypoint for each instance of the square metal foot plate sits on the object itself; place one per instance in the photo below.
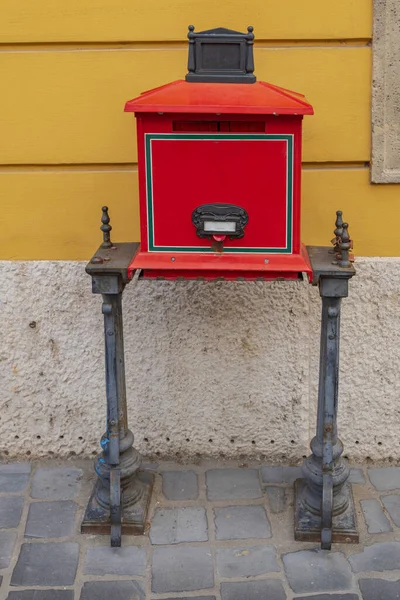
(307, 526)
(97, 519)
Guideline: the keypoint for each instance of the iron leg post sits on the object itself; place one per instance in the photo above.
(121, 494)
(324, 503)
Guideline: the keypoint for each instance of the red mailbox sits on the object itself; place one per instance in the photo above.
(220, 169)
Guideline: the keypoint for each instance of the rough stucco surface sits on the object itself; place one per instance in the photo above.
(386, 92)
(212, 368)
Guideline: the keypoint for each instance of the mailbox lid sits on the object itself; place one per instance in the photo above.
(228, 98)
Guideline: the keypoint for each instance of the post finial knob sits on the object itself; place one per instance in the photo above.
(344, 247)
(106, 228)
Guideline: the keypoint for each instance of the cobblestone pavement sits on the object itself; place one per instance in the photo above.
(217, 532)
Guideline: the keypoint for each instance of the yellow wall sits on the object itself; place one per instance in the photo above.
(67, 147)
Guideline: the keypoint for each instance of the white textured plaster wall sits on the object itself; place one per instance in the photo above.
(212, 368)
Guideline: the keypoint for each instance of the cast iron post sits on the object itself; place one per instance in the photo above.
(324, 502)
(121, 494)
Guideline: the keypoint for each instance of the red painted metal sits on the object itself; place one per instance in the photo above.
(226, 265)
(239, 144)
(229, 98)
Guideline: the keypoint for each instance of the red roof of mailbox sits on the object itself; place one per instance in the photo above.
(224, 98)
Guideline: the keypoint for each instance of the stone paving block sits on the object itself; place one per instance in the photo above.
(277, 498)
(379, 589)
(182, 569)
(246, 561)
(49, 564)
(14, 477)
(280, 474)
(192, 598)
(117, 590)
(176, 525)
(233, 484)
(356, 476)
(56, 484)
(13, 484)
(104, 560)
(51, 519)
(41, 595)
(241, 522)
(330, 597)
(392, 505)
(272, 589)
(10, 511)
(317, 571)
(375, 518)
(385, 479)
(7, 542)
(15, 468)
(180, 485)
(382, 556)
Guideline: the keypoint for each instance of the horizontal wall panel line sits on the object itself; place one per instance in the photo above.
(167, 45)
(132, 167)
(336, 165)
(152, 20)
(115, 167)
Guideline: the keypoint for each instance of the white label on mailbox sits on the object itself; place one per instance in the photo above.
(228, 226)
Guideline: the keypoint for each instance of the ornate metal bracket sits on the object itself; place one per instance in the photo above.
(121, 495)
(324, 502)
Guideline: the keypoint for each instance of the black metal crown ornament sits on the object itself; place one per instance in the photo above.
(221, 56)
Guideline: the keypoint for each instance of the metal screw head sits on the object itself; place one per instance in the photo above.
(173, 258)
(266, 260)
(96, 260)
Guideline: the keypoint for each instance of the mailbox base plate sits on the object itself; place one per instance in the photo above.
(226, 265)
(307, 526)
(96, 519)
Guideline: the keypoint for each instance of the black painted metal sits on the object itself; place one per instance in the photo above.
(106, 228)
(344, 246)
(220, 213)
(121, 494)
(324, 508)
(221, 56)
(338, 231)
(111, 442)
(115, 507)
(324, 505)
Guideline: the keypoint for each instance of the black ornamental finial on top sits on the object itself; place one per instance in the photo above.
(338, 230)
(106, 228)
(339, 224)
(344, 247)
(220, 56)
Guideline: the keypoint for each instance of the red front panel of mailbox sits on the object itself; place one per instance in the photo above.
(257, 171)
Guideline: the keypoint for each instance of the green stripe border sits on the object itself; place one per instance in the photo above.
(289, 197)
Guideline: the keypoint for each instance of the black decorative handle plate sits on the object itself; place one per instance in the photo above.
(220, 219)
